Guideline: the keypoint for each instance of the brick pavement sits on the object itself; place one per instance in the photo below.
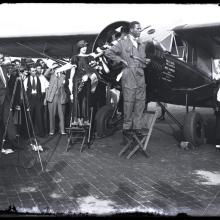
(170, 181)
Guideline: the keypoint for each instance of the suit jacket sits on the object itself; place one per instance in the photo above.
(55, 84)
(3, 90)
(133, 75)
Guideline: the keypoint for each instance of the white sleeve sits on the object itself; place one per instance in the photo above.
(72, 73)
(64, 68)
(44, 83)
(25, 84)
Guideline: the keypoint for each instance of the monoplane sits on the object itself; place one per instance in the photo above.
(180, 71)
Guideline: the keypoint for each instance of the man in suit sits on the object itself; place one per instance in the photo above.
(56, 98)
(35, 87)
(5, 98)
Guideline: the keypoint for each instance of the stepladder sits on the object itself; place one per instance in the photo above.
(136, 142)
(80, 132)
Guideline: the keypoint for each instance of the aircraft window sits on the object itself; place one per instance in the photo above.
(179, 49)
(191, 54)
(174, 50)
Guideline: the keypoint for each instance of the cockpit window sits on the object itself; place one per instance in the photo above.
(176, 46)
(179, 48)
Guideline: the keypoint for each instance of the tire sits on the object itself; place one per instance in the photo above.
(103, 117)
(194, 129)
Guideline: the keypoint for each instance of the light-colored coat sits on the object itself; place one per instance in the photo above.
(133, 80)
(133, 75)
(56, 82)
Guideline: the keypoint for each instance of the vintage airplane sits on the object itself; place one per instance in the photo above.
(180, 71)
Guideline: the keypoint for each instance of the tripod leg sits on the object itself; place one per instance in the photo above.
(9, 114)
(26, 120)
(90, 126)
(31, 123)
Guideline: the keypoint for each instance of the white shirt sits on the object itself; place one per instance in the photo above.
(43, 81)
(216, 76)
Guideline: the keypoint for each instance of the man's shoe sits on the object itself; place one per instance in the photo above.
(7, 151)
(161, 118)
(217, 146)
(141, 132)
(127, 132)
(40, 148)
(86, 123)
(34, 148)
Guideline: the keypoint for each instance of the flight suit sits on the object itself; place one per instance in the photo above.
(133, 80)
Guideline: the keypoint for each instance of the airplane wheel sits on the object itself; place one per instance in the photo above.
(194, 130)
(103, 121)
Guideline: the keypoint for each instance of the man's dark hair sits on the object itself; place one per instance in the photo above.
(16, 60)
(37, 64)
(132, 24)
(39, 60)
(124, 30)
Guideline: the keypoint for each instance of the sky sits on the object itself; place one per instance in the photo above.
(27, 19)
(43, 19)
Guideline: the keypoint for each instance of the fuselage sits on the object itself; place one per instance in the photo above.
(169, 79)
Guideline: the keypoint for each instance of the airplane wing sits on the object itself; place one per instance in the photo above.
(206, 36)
(54, 46)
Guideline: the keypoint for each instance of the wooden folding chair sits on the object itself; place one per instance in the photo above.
(80, 132)
(141, 142)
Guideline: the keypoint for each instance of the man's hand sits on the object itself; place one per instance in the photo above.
(124, 63)
(147, 61)
(45, 102)
(71, 98)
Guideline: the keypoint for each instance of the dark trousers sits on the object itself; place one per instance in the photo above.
(82, 100)
(217, 127)
(11, 130)
(36, 111)
(46, 119)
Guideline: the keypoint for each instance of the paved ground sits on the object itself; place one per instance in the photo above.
(98, 181)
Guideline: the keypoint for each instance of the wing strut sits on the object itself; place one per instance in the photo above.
(170, 115)
(42, 54)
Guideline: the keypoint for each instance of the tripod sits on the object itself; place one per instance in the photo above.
(24, 100)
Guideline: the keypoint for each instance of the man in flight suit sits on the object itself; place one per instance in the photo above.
(131, 52)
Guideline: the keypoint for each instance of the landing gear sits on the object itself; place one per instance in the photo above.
(194, 129)
(104, 126)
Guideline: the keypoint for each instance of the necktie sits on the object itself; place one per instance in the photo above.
(33, 83)
(2, 76)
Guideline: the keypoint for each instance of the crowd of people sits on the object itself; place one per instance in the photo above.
(51, 90)
(46, 92)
